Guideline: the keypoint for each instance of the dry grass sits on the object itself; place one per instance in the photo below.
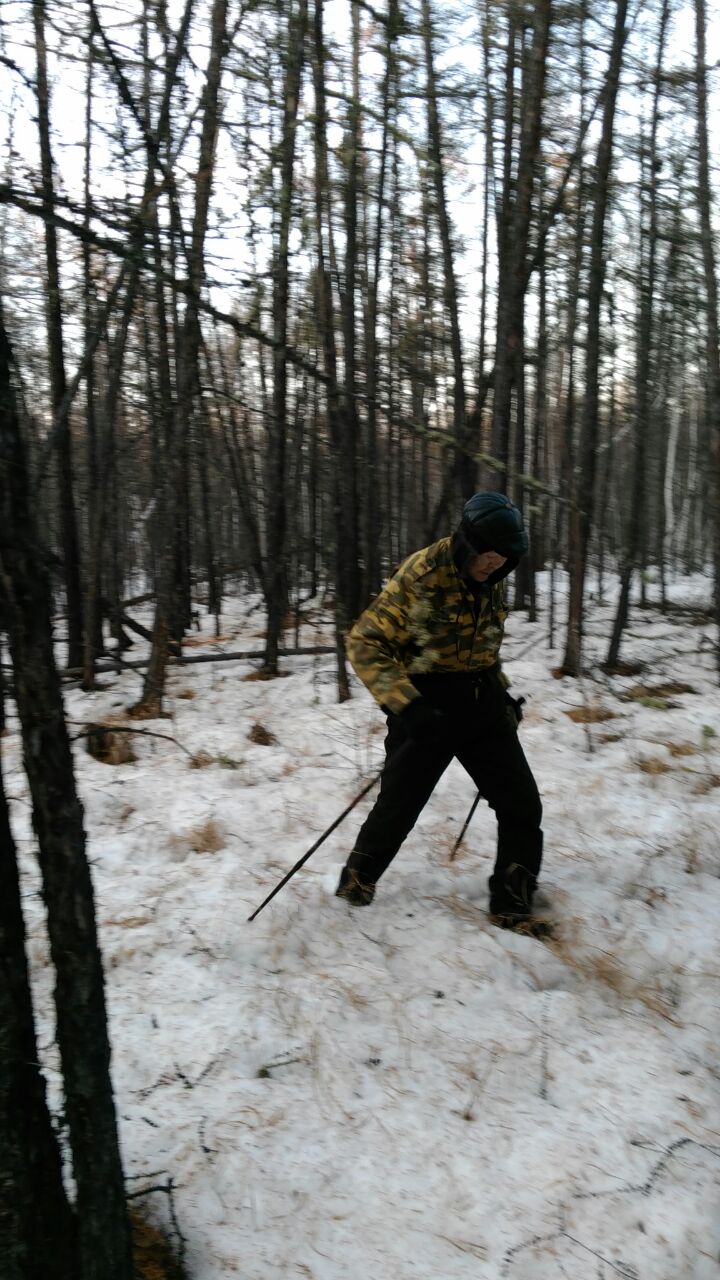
(653, 765)
(196, 642)
(264, 674)
(186, 693)
(115, 718)
(681, 748)
(147, 711)
(129, 922)
(652, 691)
(206, 838)
(590, 715)
(653, 895)
(706, 784)
(461, 907)
(352, 996)
(693, 862)
(201, 760)
(605, 968)
(153, 1255)
(262, 736)
(108, 747)
(625, 668)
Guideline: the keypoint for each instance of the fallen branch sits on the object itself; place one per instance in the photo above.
(167, 1189)
(137, 627)
(239, 656)
(122, 728)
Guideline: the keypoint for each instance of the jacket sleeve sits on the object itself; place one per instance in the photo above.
(500, 604)
(376, 642)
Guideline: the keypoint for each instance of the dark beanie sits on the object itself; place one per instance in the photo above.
(491, 522)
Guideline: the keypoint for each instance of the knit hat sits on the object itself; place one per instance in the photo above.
(491, 522)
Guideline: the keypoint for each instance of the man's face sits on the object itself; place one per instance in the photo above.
(481, 567)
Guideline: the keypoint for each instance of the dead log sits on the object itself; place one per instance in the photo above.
(238, 656)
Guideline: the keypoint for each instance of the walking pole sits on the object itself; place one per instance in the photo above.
(316, 845)
(466, 824)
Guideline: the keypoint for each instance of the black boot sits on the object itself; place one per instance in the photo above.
(355, 890)
(511, 895)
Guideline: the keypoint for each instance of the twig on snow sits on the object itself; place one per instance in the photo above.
(121, 728)
(167, 1189)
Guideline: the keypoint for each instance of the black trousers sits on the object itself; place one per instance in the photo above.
(485, 741)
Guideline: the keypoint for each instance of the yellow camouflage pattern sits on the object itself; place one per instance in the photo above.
(422, 622)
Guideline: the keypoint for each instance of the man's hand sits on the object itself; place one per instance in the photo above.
(514, 708)
(426, 725)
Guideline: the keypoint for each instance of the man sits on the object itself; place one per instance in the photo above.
(427, 648)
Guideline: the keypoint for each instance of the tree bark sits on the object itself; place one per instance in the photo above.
(37, 1226)
(104, 1249)
(582, 514)
(637, 516)
(93, 631)
(58, 383)
(463, 465)
(348, 584)
(487, 179)
(326, 324)
(175, 510)
(514, 233)
(711, 287)
(276, 509)
(373, 574)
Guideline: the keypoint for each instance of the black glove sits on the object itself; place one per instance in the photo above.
(514, 708)
(425, 724)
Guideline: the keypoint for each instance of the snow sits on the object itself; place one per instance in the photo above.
(405, 1091)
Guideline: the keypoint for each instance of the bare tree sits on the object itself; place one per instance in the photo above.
(516, 210)
(645, 379)
(276, 517)
(174, 510)
(582, 515)
(103, 1235)
(61, 425)
(711, 286)
(464, 470)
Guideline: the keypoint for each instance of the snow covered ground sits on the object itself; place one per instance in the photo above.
(405, 1091)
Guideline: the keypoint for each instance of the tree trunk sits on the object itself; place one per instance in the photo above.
(348, 585)
(503, 374)
(151, 698)
(104, 458)
(637, 516)
(464, 467)
(487, 179)
(104, 1249)
(539, 435)
(93, 633)
(514, 233)
(37, 1228)
(173, 591)
(373, 575)
(276, 511)
(326, 324)
(710, 273)
(214, 601)
(582, 514)
(58, 384)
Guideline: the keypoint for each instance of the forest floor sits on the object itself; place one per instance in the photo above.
(406, 1092)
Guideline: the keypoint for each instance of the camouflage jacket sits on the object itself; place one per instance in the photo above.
(425, 620)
